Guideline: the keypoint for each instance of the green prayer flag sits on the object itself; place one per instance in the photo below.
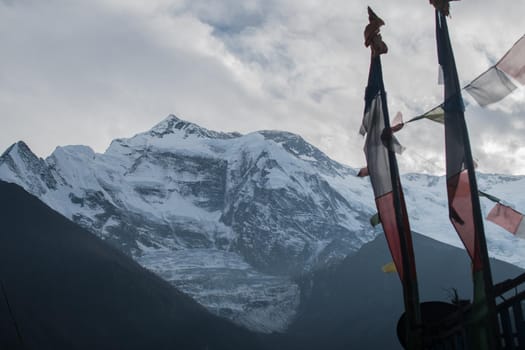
(374, 220)
(489, 196)
(436, 114)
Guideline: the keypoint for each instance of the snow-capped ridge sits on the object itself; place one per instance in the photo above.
(297, 146)
(18, 164)
(15, 159)
(20, 148)
(172, 124)
(80, 150)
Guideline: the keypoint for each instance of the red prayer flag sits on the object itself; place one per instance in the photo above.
(460, 166)
(383, 173)
(508, 218)
(363, 172)
(460, 209)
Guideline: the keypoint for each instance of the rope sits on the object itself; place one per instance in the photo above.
(18, 334)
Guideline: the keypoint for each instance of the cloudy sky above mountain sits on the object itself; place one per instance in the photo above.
(86, 72)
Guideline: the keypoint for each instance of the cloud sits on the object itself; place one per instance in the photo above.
(88, 72)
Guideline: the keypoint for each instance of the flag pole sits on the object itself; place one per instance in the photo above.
(483, 319)
(414, 329)
(410, 286)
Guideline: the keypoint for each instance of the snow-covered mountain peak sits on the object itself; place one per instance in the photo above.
(174, 125)
(16, 159)
(173, 134)
(292, 143)
(188, 203)
(255, 208)
(76, 151)
(18, 164)
(300, 148)
(19, 149)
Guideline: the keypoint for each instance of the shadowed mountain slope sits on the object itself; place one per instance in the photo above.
(69, 290)
(354, 305)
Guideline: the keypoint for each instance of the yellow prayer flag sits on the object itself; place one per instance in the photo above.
(389, 268)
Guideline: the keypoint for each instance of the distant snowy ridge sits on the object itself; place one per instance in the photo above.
(231, 218)
(427, 207)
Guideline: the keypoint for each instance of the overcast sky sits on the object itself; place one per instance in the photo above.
(86, 72)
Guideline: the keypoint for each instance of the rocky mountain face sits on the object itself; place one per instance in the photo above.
(233, 219)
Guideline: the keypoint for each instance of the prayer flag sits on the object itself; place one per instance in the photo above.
(363, 172)
(436, 114)
(459, 164)
(383, 174)
(513, 63)
(389, 268)
(508, 218)
(375, 220)
(491, 86)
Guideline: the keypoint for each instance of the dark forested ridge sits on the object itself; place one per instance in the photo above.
(69, 290)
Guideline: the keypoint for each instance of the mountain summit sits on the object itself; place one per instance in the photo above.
(172, 124)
